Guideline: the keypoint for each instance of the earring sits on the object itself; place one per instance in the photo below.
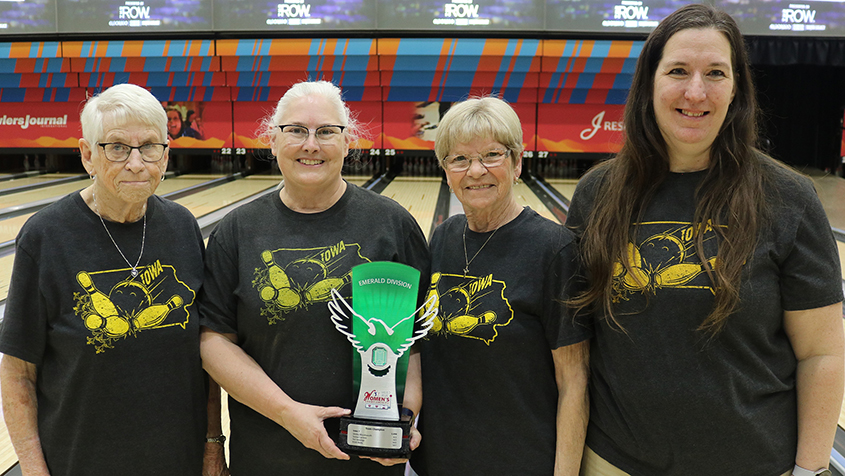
(162, 178)
(92, 176)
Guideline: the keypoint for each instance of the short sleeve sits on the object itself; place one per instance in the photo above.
(218, 303)
(562, 282)
(417, 255)
(810, 273)
(23, 332)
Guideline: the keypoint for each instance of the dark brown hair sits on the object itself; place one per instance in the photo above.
(729, 197)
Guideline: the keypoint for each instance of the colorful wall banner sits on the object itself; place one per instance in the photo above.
(47, 126)
(398, 79)
(249, 115)
(198, 124)
(413, 125)
(579, 127)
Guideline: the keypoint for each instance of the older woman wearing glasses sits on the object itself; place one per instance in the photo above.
(270, 267)
(102, 373)
(504, 368)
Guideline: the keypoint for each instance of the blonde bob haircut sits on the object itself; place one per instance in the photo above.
(479, 118)
(122, 104)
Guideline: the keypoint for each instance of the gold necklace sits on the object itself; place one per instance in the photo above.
(466, 259)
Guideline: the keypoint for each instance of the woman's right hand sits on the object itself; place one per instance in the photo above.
(305, 423)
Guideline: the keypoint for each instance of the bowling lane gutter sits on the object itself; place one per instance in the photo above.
(551, 198)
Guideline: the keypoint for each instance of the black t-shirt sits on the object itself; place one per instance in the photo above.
(120, 385)
(282, 319)
(666, 399)
(489, 391)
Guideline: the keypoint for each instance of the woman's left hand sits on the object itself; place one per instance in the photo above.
(214, 460)
(416, 438)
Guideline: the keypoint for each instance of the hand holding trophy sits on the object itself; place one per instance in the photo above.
(380, 326)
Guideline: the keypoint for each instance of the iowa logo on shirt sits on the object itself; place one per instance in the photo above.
(292, 279)
(471, 307)
(113, 305)
(665, 258)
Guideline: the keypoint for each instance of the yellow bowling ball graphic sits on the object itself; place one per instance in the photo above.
(130, 298)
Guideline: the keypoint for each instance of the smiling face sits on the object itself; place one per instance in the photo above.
(479, 189)
(121, 184)
(174, 123)
(693, 88)
(311, 164)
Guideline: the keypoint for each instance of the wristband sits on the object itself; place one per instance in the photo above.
(799, 471)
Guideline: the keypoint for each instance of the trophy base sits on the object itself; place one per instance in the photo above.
(377, 438)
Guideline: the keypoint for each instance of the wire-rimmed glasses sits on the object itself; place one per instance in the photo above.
(120, 152)
(299, 133)
(489, 159)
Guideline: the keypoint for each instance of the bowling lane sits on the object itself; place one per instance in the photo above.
(199, 204)
(831, 190)
(525, 197)
(207, 201)
(178, 183)
(566, 187)
(8, 458)
(418, 195)
(6, 263)
(10, 227)
(355, 179)
(20, 182)
(59, 190)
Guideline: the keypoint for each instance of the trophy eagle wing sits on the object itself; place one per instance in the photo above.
(342, 314)
(427, 313)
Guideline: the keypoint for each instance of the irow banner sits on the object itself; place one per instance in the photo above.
(593, 128)
(248, 117)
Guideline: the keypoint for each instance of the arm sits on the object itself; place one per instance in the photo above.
(20, 409)
(214, 459)
(573, 408)
(816, 336)
(412, 401)
(246, 381)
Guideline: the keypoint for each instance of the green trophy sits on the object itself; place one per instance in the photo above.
(380, 326)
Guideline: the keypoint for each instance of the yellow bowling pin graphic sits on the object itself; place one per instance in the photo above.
(321, 290)
(280, 291)
(106, 317)
(102, 304)
(432, 290)
(156, 314)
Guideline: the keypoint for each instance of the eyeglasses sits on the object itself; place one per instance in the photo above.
(489, 159)
(119, 152)
(299, 134)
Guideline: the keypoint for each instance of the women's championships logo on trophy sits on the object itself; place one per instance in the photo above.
(381, 330)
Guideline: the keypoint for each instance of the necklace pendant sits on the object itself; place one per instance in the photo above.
(134, 272)
(466, 271)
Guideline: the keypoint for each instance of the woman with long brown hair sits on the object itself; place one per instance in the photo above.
(713, 277)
